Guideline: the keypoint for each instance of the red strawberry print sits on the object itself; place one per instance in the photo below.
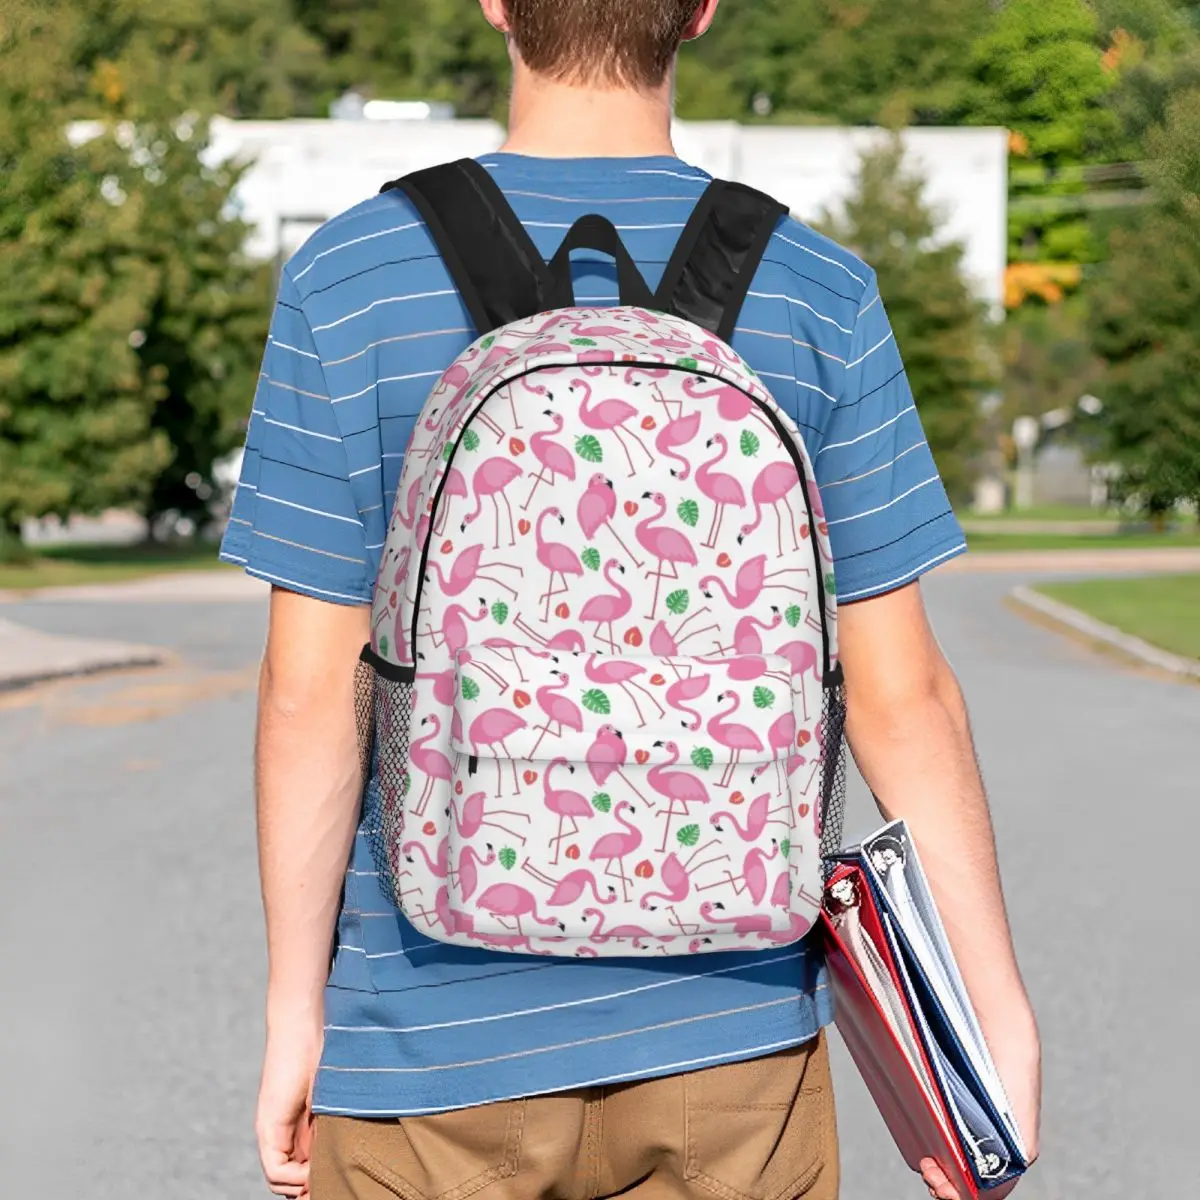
(524, 527)
(737, 798)
(563, 611)
(657, 680)
(447, 547)
(521, 699)
(458, 788)
(630, 508)
(823, 529)
(649, 423)
(429, 829)
(803, 810)
(394, 600)
(641, 757)
(516, 446)
(723, 560)
(644, 869)
(572, 852)
(803, 737)
(633, 637)
(530, 777)
(804, 531)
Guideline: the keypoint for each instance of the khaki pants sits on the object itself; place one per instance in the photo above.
(759, 1130)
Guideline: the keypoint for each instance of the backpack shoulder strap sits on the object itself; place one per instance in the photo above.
(490, 256)
(713, 265)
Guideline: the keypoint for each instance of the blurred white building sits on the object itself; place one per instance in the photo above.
(304, 172)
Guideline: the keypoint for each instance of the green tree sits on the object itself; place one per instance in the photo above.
(941, 328)
(1146, 325)
(76, 402)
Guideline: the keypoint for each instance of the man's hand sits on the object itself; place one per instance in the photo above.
(908, 729)
(283, 1122)
(309, 789)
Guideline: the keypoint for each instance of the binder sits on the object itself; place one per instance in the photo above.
(905, 1015)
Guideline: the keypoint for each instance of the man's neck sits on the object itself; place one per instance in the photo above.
(557, 120)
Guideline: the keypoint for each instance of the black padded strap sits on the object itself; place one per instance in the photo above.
(714, 263)
(491, 258)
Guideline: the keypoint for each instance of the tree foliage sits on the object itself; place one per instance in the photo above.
(1146, 325)
(130, 324)
(941, 328)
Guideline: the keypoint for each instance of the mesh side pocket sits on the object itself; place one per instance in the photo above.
(833, 769)
(383, 803)
(364, 716)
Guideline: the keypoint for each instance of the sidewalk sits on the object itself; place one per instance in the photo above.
(28, 656)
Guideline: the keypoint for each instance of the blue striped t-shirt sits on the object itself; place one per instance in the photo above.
(366, 321)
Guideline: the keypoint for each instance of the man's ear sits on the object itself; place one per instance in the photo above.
(699, 25)
(496, 14)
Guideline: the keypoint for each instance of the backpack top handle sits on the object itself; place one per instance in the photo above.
(598, 233)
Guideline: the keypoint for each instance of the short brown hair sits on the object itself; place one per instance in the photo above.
(629, 42)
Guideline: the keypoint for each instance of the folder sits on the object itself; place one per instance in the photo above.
(905, 1016)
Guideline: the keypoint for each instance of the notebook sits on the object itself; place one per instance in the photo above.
(905, 1015)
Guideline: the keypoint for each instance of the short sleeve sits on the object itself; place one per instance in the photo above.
(294, 521)
(889, 518)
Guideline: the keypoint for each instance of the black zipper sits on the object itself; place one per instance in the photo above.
(786, 438)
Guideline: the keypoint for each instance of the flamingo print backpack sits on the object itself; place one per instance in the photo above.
(601, 702)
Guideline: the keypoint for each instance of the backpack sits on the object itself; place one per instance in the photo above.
(602, 705)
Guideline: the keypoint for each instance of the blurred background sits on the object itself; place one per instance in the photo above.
(1024, 176)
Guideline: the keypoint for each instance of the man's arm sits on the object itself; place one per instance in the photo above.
(309, 787)
(908, 729)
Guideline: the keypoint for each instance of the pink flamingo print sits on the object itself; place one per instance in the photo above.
(666, 644)
(742, 926)
(569, 641)
(617, 847)
(781, 893)
(468, 870)
(565, 805)
(433, 764)
(475, 817)
(799, 927)
(781, 737)
(679, 787)
(490, 729)
(514, 902)
(467, 568)
(453, 634)
(678, 433)
(553, 458)
(557, 557)
(454, 487)
(634, 933)
(570, 888)
(665, 544)
(596, 510)
(732, 403)
(735, 737)
(408, 514)
(605, 610)
(751, 581)
(607, 755)
(759, 816)
(491, 480)
(769, 490)
(753, 878)
(621, 672)
(683, 690)
(722, 489)
(677, 877)
(557, 709)
(439, 867)
(610, 416)
(805, 659)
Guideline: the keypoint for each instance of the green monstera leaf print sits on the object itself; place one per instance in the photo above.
(470, 689)
(591, 558)
(689, 513)
(589, 449)
(470, 441)
(596, 701)
(602, 802)
(793, 615)
(749, 443)
(499, 612)
(689, 835)
(763, 697)
(702, 757)
(677, 602)
(507, 858)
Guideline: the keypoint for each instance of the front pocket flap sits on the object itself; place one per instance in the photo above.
(519, 703)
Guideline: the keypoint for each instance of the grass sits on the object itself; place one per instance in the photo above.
(1160, 609)
(1082, 541)
(65, 566)
(1047, 512)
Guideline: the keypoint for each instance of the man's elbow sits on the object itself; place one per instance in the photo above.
(913, 703)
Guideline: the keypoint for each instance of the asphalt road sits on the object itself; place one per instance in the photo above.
(130, 990)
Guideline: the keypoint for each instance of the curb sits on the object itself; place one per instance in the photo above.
(47, 657)
(1064, 616)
